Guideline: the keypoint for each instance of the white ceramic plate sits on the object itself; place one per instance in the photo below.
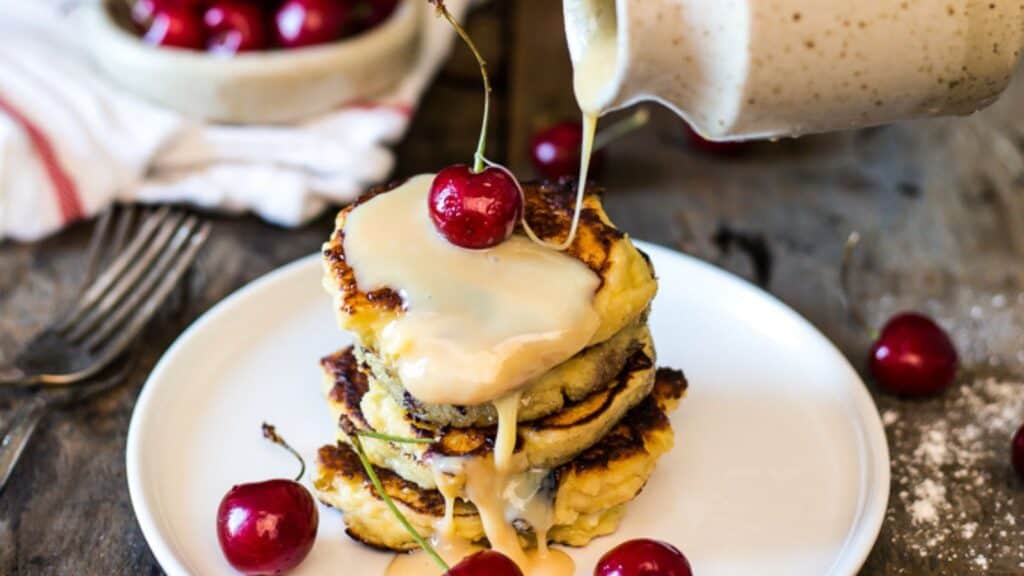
(780, 465)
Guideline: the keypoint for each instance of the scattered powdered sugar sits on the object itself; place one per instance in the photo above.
(929, 496)
(890, 417)
(955, 496)
(955, 499)
(933, 449)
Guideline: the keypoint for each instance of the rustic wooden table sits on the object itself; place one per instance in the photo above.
(941, 203)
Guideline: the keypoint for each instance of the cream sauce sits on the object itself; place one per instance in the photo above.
(419, 563)
(586, 151)
(476, 333)
(593, 74)
(595, 67)
(507, 433)
(500, 499)
(487, 480)
(549, 562)
(485, 487)
(478, 324)
(449, 483)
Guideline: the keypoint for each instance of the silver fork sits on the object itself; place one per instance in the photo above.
(25, 418)
(115, 305)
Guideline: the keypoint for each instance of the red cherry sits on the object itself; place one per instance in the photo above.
(370, 13)
(643, 558)
(235, 26)
(913, 356)
(486, 563)
(142, 11)
(717, 148)
(474, 210)
(176, 26)
(1017, 452)
(556, 150)
(308, 22)
(267, 527)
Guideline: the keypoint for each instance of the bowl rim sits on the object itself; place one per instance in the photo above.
(397, 25)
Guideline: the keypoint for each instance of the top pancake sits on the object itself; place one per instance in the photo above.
(627, 282)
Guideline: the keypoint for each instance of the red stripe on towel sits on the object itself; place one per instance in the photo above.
(67, 193)
(403, 109)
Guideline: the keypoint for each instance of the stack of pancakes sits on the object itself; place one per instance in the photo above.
(590, 430)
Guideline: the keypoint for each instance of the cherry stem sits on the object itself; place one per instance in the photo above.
(478, 157)
(522, 217)
(395, 439)
(636, 120)
(846, 288)
(270, 433)
(357, 445)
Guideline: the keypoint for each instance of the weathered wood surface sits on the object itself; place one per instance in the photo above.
(943, 198)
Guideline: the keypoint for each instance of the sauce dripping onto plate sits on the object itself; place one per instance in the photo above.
(500, 498)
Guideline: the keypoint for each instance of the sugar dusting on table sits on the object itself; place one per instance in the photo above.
(952, 476)
(955, 497)
(960, 472)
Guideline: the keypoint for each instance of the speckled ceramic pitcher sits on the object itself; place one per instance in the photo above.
(751, 68)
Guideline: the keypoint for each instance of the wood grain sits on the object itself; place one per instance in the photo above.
(943, 194)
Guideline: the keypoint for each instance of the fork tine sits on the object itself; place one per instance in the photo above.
(124, 225)
(94, 292)
(135, 325)
(167, 283)
(142, 290)
(128, 279)
(99, 234)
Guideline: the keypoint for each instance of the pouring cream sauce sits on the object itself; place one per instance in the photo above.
(476, 333)
(477, 326)
(740, 69)
(592, 74)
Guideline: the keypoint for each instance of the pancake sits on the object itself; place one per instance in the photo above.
(571, 381)
(361, 404)
(588, 493)
(627, 283)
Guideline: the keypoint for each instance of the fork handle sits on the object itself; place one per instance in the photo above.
(24, 421)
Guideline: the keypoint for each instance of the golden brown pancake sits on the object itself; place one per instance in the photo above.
(626, 287)
(361, 404)
(588, 493)
(589, 371)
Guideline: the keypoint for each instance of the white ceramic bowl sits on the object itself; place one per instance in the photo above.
(256, 87)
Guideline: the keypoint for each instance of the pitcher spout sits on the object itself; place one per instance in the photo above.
(745, 68)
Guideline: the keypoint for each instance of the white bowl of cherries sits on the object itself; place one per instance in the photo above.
(253, 61)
